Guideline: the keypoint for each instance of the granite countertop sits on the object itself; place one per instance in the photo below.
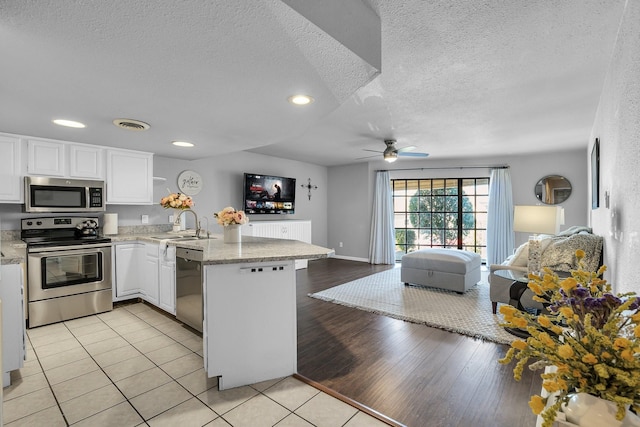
(214, 250)
(252, 249)
(13, 251)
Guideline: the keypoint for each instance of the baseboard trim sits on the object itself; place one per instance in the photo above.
(375, 414)
(350, 258)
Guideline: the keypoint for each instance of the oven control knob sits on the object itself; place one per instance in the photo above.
(29, 223)
(39, 223)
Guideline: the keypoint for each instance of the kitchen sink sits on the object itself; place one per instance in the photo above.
(181, 238)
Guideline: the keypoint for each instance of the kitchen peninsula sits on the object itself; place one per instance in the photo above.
(249, 298)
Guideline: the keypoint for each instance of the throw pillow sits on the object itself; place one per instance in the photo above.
(520, 257)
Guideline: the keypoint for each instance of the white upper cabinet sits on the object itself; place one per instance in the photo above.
(65, 159)
(86, 161)
(10, 170)
(46, 158)
(129, 177)
(128, 174)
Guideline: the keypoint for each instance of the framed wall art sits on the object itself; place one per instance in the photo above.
(595, 175)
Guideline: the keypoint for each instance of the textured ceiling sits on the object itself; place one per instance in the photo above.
(458, 78)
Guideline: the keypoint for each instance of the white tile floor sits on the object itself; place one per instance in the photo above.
(135, 366)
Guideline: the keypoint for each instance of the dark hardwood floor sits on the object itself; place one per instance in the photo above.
(414, 374)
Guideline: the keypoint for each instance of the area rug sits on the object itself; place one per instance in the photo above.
(383, 293)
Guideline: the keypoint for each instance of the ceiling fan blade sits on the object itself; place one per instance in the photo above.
(367, 157)
(406, 154)
(409, 148)
(373, 151)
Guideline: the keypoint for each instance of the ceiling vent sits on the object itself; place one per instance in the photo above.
(130, 124)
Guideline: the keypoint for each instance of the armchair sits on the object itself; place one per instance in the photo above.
(558, 254)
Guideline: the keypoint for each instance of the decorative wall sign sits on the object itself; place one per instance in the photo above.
(189, 182)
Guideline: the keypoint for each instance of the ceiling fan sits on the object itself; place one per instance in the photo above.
(391, 153)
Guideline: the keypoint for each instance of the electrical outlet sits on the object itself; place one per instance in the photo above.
(145, 219)
(170, 218)
(340, 244)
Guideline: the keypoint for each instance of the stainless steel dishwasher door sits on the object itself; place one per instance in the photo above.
(189, 306)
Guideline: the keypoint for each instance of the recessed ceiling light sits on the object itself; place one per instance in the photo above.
(300, 99)
(182, 144)
(69, 123)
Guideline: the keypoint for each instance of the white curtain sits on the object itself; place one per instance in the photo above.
(500, 238)
(383, 242)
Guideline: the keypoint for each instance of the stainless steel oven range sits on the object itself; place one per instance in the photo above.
(68, 269)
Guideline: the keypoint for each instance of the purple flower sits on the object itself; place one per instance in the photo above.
(581, 292)
(591, 303)
(613, 300)
(635, 304)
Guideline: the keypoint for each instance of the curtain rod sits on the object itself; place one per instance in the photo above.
(452, 167)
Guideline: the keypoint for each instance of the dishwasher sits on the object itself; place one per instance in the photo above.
(189, 305)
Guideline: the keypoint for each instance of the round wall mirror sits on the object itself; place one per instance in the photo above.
(553, 189)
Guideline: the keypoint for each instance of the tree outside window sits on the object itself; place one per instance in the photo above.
(447, 213)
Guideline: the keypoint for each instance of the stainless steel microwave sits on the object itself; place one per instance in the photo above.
(44, 194)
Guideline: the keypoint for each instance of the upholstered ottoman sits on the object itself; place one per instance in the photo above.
(449, 269)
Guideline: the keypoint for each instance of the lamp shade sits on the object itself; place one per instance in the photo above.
(537, 219)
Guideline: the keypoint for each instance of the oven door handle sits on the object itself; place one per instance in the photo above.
(78, 249)
(73, 252)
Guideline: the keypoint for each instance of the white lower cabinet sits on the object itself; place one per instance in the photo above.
(167, 291)
(148, 271)
(128, 258)
(250, 322)
(13, 323)
(150, 274)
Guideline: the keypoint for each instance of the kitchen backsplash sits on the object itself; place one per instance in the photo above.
(144, 229)
(7, 235)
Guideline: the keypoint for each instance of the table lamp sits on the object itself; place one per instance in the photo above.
(537, 220)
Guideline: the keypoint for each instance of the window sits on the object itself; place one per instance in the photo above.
(440, 213)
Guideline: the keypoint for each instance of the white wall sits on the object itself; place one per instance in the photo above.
(617, 125)
(349, 213)
(351, 190)
(223, 181)
(222, 178)
(222, 186)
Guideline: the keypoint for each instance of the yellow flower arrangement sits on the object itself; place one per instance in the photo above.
(177, 201)
(591, 335)
(230, 216)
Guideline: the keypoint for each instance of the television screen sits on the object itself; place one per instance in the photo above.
(265, 194)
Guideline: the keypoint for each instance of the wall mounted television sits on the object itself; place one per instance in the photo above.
(268, 194)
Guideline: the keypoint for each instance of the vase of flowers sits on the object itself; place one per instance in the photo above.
(177, 201)
(587, 410)
(231, 220)
(590, 336)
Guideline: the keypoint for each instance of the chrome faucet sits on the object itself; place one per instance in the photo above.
(195, 215)
(207, 228)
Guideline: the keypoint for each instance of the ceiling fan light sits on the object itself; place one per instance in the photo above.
(390, 157)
